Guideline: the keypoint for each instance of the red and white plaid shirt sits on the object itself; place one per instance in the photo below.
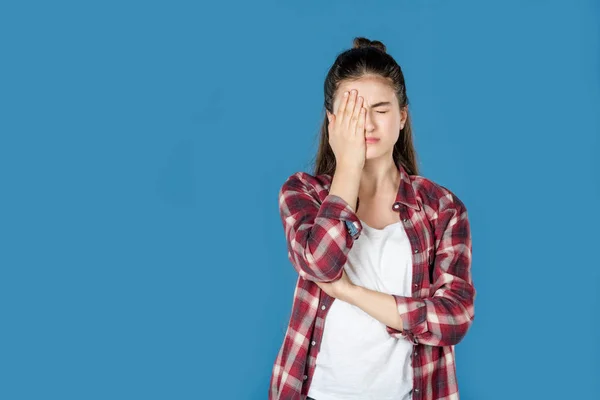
(321, 229)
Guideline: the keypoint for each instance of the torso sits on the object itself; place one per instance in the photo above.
(357, 355)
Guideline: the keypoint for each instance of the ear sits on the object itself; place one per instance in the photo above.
(403, 115)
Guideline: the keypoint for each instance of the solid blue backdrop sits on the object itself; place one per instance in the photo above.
(143, 145)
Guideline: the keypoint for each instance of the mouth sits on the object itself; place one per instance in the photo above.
(372, 140)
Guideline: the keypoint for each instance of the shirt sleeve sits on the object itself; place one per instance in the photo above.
(319, 234)
(444, 318)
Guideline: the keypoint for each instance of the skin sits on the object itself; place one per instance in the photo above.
(383, 121)
(379, 177)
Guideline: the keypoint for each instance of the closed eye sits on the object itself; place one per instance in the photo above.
(381, 112)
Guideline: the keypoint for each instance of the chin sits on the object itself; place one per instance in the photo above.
(373, 153)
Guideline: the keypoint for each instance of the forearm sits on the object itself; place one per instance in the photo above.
(345, 184)
(435, 321)
(380, 306)
(385, 308)
(319, 231)
(443, 315)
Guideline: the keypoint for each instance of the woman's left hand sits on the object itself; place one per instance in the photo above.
(340, 289)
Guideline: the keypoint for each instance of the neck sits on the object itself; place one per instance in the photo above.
(379, 176)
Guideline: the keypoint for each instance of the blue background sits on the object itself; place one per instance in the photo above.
(143, 145)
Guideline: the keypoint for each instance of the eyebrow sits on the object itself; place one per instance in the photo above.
(381, 103)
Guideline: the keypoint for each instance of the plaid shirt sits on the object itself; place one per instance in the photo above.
(321, 228)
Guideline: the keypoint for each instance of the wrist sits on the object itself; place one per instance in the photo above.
(349, 169)
(345, 184)
(351, 294)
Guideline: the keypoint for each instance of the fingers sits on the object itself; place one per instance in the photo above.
(355, 116)
(357, 108)
(360, 125)
(342, 107)
(349, 110)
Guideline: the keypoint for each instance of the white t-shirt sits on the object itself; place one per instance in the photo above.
(358, 359)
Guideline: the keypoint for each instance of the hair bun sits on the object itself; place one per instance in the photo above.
(361, 42)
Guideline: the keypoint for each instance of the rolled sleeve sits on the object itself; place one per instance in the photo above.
(443, 318)
(319, 233)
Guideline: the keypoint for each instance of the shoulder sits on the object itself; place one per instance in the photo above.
(301, 191)
(435, 196)
(306, 182)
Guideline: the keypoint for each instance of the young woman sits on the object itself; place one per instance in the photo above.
(383, 254)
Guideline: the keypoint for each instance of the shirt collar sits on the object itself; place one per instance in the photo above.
(406, 193)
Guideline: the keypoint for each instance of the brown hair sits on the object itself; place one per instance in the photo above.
(366, 57)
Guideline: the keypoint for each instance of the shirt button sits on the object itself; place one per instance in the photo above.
(322, 307)
(405, 220)
(416, 390)
(313, 343)
(416, 250)
(305, 377)
(396, 206)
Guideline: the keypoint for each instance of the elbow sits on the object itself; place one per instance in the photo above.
(317, 269)
(457, 335)
(454, 334)
(323, 269)
(318, 254)
(461, 314)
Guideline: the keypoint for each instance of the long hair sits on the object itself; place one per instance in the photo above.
(366, 57)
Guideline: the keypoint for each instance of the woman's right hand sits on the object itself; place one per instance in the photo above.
(347, 131)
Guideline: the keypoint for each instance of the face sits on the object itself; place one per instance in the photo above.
(384, 119)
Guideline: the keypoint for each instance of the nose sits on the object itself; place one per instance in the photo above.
(369, 122)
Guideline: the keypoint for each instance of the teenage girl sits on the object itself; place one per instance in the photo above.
(383, 254)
